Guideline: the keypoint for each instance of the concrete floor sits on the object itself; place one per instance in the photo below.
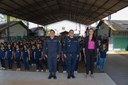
(116, 69)
(39, 78)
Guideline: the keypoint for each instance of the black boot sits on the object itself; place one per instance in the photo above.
(69, 76)
(73, 76)
(50, 76)
(54, 77)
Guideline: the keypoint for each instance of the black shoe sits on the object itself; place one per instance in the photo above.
(50, 76)
(68, 77)
(73, 76)
(54, 77)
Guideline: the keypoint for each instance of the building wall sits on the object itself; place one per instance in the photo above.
(110, 46)
(40, 33)
(117, 41)
(17, 30)
(120, 42)
(103, 30)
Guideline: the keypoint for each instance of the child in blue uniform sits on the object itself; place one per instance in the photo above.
(38, 57)
(2, 56)
(18, 57)
(9, 56)
(26, 58)
(33, 51)
(102, 58)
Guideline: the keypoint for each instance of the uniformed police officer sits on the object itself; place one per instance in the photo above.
(71, 53)
(51, 50)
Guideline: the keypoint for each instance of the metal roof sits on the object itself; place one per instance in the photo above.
(45, 12)
(12, 23)
(115, 25)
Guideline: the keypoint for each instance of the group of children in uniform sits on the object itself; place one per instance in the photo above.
(101, 55)
(28, 51)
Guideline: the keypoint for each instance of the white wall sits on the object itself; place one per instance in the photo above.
(110, 46)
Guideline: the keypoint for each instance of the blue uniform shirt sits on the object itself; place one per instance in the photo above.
(103, 54)
(33, 52)
(71, 45)
(9, 53)
(25, 54)
(52, 46)
(38, 53)
(2, 53)
(18, 53)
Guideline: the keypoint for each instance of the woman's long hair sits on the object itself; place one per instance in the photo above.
(93, 37)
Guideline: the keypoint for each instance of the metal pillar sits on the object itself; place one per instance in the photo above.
(8, 28)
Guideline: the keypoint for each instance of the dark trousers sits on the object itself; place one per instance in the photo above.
(18, 62)
(52, 63)
(33, 61)
(10, 62)
(64, 64)
(71, 63)
(2, 62)
(77, 63)
(26, 64)
(45, 62)
(90, 59)
(39, 64)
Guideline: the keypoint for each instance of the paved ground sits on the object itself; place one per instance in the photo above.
(38, 78)
(117, 68)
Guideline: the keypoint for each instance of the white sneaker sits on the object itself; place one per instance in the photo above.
(32, 64)
(37, 70)
(42, 70)
(64, 72)
(75, 71)
(3, 68)
(18, 69)
(46, 70)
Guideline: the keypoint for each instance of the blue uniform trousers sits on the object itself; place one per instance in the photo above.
(26, 64)
(39, 64)
(64, 64)
(52, 63)
(2, 62)
(10, 62)
(18, 62)
(71, 63)
(102, 64)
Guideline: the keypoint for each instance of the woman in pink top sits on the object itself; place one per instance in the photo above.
(90, 47)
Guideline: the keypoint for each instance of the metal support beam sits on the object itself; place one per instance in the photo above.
(8, 28)
(28, 29)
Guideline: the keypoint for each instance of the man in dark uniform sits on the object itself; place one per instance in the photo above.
(71, 53)
(51, 50)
